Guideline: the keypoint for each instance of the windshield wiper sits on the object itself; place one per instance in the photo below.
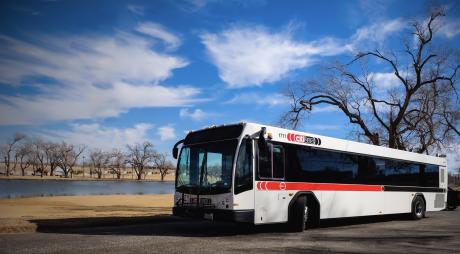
(189, 187)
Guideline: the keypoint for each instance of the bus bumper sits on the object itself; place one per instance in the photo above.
(215, 214)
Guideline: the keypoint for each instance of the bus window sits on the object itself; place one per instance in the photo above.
(243, 173)
(278, 161)
(264, 162)
(271, 163)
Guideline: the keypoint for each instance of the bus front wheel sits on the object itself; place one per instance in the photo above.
(298, 215)
(418, 208)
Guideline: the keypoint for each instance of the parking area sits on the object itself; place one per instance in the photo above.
(439, 233)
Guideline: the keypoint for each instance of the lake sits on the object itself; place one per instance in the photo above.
(42, 188)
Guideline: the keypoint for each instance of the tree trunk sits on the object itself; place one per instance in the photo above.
(66, 173)
(7, 166)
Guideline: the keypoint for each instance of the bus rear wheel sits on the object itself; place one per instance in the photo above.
(418, 208)
(451, 207)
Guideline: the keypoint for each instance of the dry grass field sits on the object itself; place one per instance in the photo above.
(17, 215)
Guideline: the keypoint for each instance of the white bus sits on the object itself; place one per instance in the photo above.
(262, 174)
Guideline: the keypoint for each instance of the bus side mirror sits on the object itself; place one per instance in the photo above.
(261, 142)
(175, 150)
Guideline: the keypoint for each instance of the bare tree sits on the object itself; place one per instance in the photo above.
(52, 156)
(162, 164)
(116, 162)
(99, 161)
(451, 116)
(39, 154)
(25, 155)
(8, 150)
(415, 115)
(67, 157)
(139, 156)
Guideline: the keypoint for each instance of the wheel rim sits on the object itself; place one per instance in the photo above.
(418, 209)
(305, 214)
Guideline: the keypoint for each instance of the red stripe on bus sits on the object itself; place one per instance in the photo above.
(266, 185)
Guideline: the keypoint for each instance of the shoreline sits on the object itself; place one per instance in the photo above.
(82, 195)
(168, 179)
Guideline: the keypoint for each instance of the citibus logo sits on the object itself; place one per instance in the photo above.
(301, 138)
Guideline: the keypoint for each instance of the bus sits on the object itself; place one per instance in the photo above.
(261, 174)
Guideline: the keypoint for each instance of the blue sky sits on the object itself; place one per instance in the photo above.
(108, 73)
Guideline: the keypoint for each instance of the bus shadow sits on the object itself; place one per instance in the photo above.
(167, 225)
(329, 223)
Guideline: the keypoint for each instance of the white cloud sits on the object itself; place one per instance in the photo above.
(385, 80)
(324, 109)
(156, 30)
(259, 99)
(196, 114)
(92, 77)
(85, 59)
(197, 5)
(193, 5)
(321, 127)
(136, 9)
(247, 56)
(453, 157)
(450, 28)
(166, 133)
(252, 56)
(375, 33)
(273, 100)
(90, 102)
(97, 136)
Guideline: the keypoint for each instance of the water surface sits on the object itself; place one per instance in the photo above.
(41, 188)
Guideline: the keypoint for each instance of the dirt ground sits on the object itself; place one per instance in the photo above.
(438, 233)
(16, 214)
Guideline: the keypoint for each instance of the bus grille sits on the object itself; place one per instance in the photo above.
(439, 201)
(442, 175)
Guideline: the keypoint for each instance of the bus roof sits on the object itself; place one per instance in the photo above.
(329, 143)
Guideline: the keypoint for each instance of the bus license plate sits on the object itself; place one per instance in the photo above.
(208, 216)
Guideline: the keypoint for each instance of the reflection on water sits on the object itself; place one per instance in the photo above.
(40, 188)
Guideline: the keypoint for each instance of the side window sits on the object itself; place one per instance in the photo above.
(243, 173)
(271, 162)
(431, 176)
(264, 162)
(277, 162)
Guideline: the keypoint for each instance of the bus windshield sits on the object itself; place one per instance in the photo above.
(206, 168)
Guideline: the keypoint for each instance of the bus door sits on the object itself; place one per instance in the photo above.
(271, 198)
(244, 177)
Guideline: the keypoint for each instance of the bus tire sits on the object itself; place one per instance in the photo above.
(418, 208)
(451, 208)
(298, 215)
(313, 219)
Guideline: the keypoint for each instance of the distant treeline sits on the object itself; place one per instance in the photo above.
(46, 158)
